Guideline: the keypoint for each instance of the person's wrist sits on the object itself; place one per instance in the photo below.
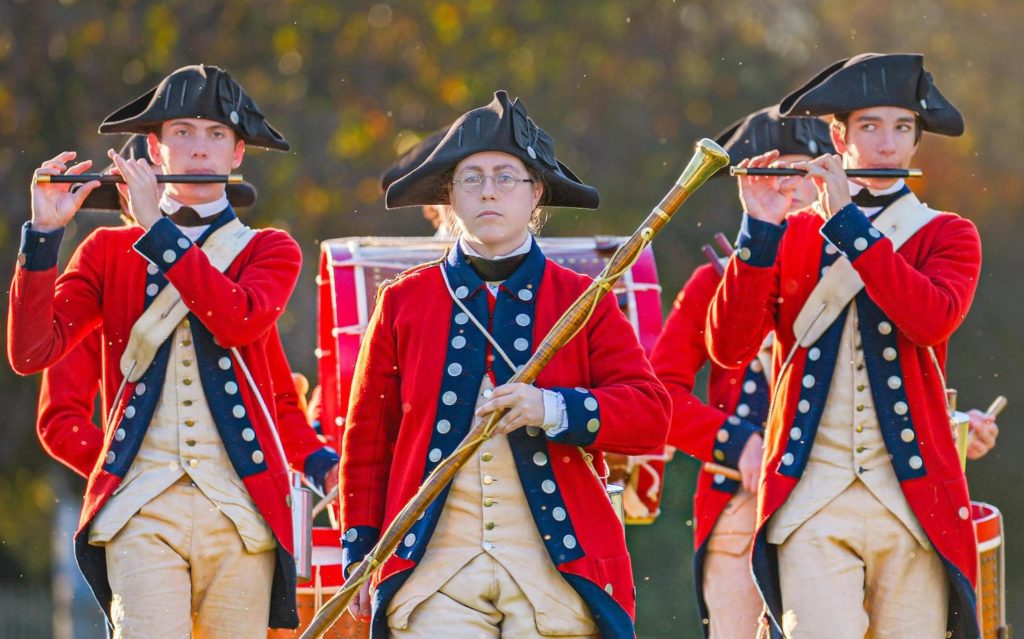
(43, 227)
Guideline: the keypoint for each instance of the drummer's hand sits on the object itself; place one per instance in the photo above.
(359, 607)
(750, 462)
(53, 205)
(763, 196)
(983, 434)
(830, 180)
(140, 189)
(331, 479)
(525, 404)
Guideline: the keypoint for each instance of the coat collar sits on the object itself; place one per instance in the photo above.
(521, 286)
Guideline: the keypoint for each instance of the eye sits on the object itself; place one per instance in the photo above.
(904, 127)
(505, 180)
(868, 127)
(472, 179)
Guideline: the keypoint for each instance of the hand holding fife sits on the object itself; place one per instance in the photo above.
(140, 189)
(765, 197)
(830, 180)
(53, 205)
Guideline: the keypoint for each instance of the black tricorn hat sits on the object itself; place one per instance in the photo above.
(412, 158)
(502, 126)
(106, 198)
(877, 79)
(765, 130)
(197, 91)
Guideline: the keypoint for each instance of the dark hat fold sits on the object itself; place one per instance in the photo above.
(503, 126)
(877, 79)
(197, 91)
(412, 158)
(766, 129)
(105, 197)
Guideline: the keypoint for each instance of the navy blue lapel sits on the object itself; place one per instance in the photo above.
(515, 312)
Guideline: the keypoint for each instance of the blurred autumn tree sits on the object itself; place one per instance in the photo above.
(625, 89)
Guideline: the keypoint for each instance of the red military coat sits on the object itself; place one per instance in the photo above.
(413, 395)
(108, 283)
(67, 397)
(913, 298)
(715, 431)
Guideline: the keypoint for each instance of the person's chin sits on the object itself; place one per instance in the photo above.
(197, 193)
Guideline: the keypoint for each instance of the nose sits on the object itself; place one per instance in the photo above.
(487, 190)
(888, 144)
(198, 147)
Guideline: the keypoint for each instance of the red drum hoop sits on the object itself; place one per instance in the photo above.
(991, 590)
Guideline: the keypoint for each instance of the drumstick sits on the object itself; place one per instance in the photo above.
(723, 243)
(323, 503)
(716, 262)
(724, 471)
(997, 406)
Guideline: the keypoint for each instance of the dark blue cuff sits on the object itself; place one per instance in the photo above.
(318, 464)
(730, 439)
(163, 244)
(39, 249)
(758, 241)
(850, 231)
(356, 542)
(583, 417)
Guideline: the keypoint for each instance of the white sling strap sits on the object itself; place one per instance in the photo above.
(159, 320)
(898, 222)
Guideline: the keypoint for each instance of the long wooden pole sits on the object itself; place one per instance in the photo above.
(707, 159)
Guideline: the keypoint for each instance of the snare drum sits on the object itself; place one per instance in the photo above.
(326, 581)
(991, 592)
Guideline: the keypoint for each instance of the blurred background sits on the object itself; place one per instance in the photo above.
(625, 88)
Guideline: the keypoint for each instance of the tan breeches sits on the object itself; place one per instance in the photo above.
(481, 601)
(853, 570)
(178, 569)
(734, 604)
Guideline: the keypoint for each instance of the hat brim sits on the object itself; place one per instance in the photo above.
(843, 88)
(502, 126)
(428, 184)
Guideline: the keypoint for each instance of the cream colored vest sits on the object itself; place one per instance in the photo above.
(848, 447)
(182, 439)
(487, 512)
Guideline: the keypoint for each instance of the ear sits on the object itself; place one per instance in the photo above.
(153, 147)
(239, 154)
(837, 131)
(538, 192)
